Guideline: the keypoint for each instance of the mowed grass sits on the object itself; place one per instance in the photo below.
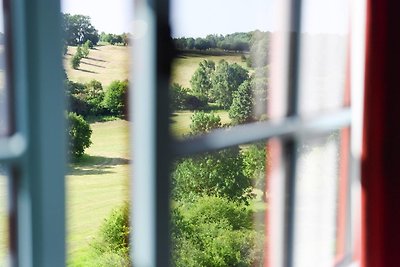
(185, 65)
(95, 186)
(104, 63)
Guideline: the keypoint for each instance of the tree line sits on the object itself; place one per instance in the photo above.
(78, 29)
(256, 43)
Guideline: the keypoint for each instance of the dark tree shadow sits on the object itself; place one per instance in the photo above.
(91, 64)
(89, 71)
(96, 59)
(95, 165)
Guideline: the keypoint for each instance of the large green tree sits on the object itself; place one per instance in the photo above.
(78, 29)
(201, 79)
(241, 110)
(226, 79)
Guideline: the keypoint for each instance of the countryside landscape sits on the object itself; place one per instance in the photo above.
(214, 83)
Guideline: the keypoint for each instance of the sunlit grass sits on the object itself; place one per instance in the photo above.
(104, 63)
(96, 185)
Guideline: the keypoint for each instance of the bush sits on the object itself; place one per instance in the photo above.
(180, 99)
(112, 244)
(79, 134)
(115, 98)
(214, 231)
(76, 61)
(203, 122)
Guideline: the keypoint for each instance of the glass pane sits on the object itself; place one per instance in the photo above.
(96, 62)
(323, 55)
(4, 93)
(4, 228)
(320, 200)
(223, 61)
(219, 201)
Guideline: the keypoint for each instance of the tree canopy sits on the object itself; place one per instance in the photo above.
(78, 29)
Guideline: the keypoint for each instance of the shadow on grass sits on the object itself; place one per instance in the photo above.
(94, 65)
(95, 165)
(96, 59)
(89, 71)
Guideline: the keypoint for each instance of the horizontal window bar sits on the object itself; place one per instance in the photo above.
(248, 133)
(12, 148)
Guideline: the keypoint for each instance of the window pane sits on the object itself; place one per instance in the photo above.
(323, 55)
(223, 61)
(97, 84)
(320, 200)
(4, 229)
(4, 93)
(219, 201)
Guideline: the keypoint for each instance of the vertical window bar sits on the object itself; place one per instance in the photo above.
(40, 119)
(290, 145)
(150, 139)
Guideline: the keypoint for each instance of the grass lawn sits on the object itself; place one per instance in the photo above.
(186, 64)
(104, 63)
(95, 186)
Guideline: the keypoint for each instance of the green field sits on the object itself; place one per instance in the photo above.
(95, 186)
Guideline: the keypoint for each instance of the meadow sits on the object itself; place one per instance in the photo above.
(95, 186)
(99, 182)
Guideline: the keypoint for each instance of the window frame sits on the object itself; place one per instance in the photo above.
(155, 142)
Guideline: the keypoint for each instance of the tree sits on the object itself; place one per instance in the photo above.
(115, 98)
(241, 110)
(226, 80)
(214, 231)
(79, 134)
(78, 29)
(201, 79)
(254, 165)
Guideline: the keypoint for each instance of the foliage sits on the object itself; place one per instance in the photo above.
(112, 243)
(85, 99)
(180, 99)
(85, 49)
(201, 79)
(116, 96)
(76, 61)
(260, 85)
(78, 29)
(225, 81)
(203, 122)
(241, 110)
(254, 164)
(213, 174)
(114, 39)
(79, 134)
(214, 231)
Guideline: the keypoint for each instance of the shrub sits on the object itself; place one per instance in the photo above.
(79, 134)
(203, 122)
(115, 97)
(76, 61)
(112, 244)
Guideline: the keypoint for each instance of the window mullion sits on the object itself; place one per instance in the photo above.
(39, 97)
